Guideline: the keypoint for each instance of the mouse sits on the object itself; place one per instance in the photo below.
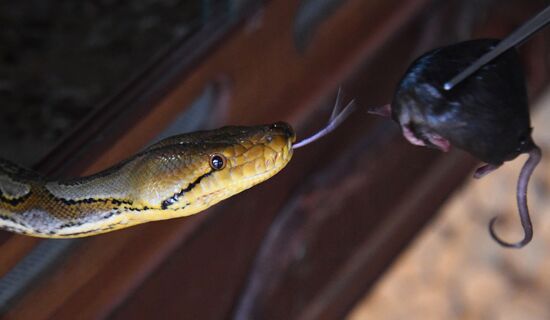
(486, 114)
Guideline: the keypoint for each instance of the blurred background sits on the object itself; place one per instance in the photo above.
(361, 225)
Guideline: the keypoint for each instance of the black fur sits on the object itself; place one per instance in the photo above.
(487, 114)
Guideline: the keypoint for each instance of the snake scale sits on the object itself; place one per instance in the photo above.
(179, 176)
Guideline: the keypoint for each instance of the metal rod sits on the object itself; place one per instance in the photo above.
(516, 38)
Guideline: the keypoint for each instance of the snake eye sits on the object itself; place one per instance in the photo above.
(217, 161)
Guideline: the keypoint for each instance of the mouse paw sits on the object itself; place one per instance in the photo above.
(411, 136)
(485, 170)
(439, 142)
(429, 139)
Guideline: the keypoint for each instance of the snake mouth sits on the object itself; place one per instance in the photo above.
(281, 137)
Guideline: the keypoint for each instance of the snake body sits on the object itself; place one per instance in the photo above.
(179, 176)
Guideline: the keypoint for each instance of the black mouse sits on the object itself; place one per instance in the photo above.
(485, 114)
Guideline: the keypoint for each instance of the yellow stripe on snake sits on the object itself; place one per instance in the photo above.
(176, 177)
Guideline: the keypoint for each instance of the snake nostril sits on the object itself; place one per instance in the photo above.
(284, 127)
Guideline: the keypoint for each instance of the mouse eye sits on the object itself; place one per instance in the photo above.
(217, 161)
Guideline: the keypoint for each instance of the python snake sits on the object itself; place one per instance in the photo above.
(179, 176)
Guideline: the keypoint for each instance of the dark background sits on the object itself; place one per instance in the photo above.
(59, 59)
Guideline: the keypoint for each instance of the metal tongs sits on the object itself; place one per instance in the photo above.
(516, 38)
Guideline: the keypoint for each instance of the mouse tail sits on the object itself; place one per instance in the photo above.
(526, 172)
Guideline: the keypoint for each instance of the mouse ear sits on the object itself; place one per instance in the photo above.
(521, 195)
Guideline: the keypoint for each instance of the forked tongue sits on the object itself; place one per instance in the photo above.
(338, 116)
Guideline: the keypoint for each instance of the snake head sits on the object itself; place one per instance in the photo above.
(189, 173)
